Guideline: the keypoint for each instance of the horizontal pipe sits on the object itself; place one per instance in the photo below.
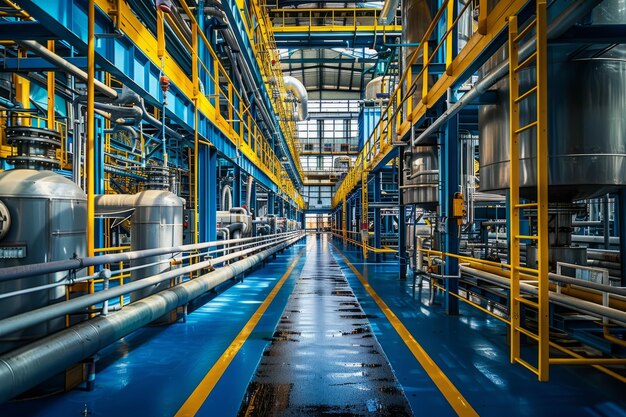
(31, 318)
(29, 365)
(561, 299)
(23, 271)
(63, 64)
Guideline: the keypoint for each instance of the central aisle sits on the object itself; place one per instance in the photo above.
(324, 358)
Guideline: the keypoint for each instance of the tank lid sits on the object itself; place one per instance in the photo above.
(36, 184)
(151, 198)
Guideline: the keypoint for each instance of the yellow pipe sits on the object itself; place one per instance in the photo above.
(51, 84)
(91, 132)
(608, 336)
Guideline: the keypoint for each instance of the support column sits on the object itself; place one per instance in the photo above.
(377, 221)
(449, 178)
(207, 194)
(401, 217)
(620, 220)
(271, 202)
(237, 187)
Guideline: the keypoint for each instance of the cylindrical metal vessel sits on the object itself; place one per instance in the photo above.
(586, 133)
(586, 130)
(156, 223)
(48, 216)
(421, 177)
(418, 15)
(378, 85)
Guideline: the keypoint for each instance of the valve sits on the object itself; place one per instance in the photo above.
(165, 84)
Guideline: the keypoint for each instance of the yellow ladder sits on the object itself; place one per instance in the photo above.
(540, 125)
(364, 226)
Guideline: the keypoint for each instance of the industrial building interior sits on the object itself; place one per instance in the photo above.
(295, 208)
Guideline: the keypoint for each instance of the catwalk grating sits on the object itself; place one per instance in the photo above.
(323, 358)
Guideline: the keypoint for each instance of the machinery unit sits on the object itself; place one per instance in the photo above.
(156, 218)
(421, 176)
(237, 221)
(44, 220)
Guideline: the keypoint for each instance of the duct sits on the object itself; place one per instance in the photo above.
(55, 59)
(157, 221)
(295, 87)
(24, 368)
(388, 12)
(575, 12)
(560, 299)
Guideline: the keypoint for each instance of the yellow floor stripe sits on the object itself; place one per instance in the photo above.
(202, 391)
(449, 391)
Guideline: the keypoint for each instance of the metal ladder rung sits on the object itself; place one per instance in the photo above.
(527, 333)
(524, 32)
(530, 237)
(526, 94)
(525, 62)
(527, 302)
(528, 126)
(524, 205)
(527, 366)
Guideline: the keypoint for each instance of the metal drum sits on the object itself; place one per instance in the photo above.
(47, 221)
(587, 127)
(421, 177)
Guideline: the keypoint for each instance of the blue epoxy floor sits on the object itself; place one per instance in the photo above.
(153, 371)
(472, 350)
(323, 359)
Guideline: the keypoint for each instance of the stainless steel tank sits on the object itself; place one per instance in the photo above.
(418, 15)
(156, 222)
(378, 85)
(421, 177)
(587, 127)
(48, 222)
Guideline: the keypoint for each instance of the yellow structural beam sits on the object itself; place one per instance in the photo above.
(254, 146)
(403, 112)
(261, 37)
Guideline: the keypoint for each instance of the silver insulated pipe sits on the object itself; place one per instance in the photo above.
(295, 87)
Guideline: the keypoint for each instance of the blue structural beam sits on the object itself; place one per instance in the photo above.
(348, 39)
(621, 224)
(207, 194)
(129, 64)
(449, 178)
(377, 217)
(26, 30)
(236, 187)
